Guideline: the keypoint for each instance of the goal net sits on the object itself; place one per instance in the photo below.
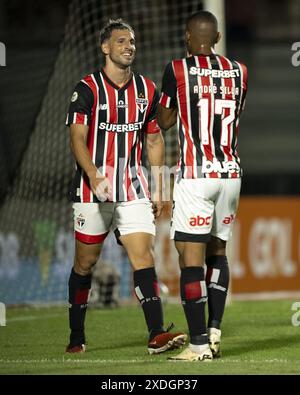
(36, 237)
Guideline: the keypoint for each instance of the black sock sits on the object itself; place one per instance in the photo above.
(217, 281)
(147, 291)
(79, 287)
(193, 297)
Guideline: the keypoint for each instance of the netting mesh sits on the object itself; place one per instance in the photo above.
(36, 239)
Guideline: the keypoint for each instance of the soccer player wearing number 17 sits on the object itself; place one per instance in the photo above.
(205, 92)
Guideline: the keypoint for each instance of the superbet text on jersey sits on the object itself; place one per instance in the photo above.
(118, 119)
(209, 93)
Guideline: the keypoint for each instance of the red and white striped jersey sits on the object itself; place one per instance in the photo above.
(209, 93)
(118, 119)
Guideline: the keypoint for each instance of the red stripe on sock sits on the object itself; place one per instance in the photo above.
(193, 290)
(81, 296)
(156, 289)
(208, 274)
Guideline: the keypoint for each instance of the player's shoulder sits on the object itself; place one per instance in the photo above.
(237, 63)
(89, 80)
(176, 62)
(149, 83)
(87, 86)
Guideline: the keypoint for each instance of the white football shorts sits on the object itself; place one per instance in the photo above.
(93, 221)
(203, 207)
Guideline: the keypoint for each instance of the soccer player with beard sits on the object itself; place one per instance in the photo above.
(112, 119)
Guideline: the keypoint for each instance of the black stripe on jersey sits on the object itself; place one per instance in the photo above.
(237, 81)
(194, 110)
(75, 185)
(121, 147)
(181, 141)
(217, 126)
(102, 117)
(140, 92)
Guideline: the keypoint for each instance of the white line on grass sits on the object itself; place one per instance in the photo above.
(114, 361)
(33, 317)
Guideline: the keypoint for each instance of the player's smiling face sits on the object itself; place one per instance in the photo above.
(120, 47)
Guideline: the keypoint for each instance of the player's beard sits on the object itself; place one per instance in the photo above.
(120, 61)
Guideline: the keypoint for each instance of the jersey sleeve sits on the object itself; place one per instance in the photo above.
(80, 108)
(152, 126)
(244, 85)
(169, 88)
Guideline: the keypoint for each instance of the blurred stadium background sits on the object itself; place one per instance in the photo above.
(50, 46)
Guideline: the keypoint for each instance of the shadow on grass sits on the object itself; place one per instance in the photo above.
(262, 345)
(132, 343)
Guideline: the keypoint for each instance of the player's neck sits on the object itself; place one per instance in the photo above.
(204, 50)
(117, 75)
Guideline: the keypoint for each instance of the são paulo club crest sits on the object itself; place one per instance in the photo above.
(80, 221)
(141, 102)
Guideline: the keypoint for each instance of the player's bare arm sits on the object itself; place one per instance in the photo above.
(166, 117)
(156, 153)
(78, 136)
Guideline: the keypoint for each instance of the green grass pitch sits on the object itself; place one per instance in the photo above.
(258, 338)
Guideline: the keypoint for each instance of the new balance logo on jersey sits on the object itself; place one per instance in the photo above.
(199, 221)
(219, 167)
(103, 106)
(120, 128)
(121, 104)
(214, 73)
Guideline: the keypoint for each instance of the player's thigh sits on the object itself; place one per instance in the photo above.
(226, 206)
(139, 248)
(134, 227)
(193, 210)
(215, 246)
(92, 221)
(190, 254)
(91, 224)
(86, 256)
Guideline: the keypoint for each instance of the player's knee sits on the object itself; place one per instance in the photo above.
(85, 262)
(142, 259)
(216, 246)
(191, 257)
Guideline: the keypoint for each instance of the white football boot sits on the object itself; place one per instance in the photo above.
(194, 353)
(214, 341)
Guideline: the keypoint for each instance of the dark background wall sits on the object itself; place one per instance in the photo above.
(259, 33)
(31, 31)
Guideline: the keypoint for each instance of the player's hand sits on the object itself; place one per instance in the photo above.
(100, 186)
(157, 207)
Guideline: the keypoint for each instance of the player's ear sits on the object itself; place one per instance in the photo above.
(105, 47)
(218, 38)
(187, 36)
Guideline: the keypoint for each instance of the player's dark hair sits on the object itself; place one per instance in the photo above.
(114, 24)
(202, 16)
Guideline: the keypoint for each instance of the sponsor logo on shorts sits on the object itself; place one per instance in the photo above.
(80, 221)
(229, 220)
(199, 221)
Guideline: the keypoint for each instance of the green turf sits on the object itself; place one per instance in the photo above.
(258, 338)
